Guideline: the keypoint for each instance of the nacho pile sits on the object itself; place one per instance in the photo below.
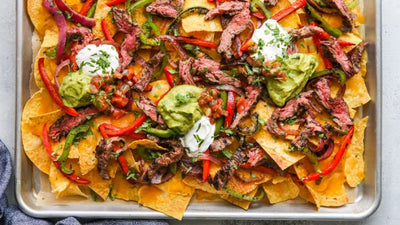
(156, 102)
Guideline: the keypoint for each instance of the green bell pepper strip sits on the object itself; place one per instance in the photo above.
(139, 4)
(92, 10)
(327, 27)
(221, 120)
(147, 27)
(67, 146)
(339, 73)
(160, 133)
(260, 5)
(244, 197)
(312, 157)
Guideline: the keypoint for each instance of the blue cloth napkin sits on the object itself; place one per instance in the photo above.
(10, 215)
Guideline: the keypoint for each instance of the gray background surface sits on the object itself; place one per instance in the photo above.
(388, 212)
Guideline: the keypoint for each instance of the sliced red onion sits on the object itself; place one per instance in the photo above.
(211, 158)
(83, 20)
(58, 69)
(175, 44)
(227, 87)
(62, 27)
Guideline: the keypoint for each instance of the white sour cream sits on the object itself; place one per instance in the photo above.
(199, 138)
(98, 60)
(271, 39)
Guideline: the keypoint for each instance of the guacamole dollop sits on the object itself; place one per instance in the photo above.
(180, 108)
(298, 68)
(74, 89)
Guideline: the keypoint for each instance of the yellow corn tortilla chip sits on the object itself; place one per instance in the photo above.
(330, 191)
(124, 190)
(351, 38)
(171, 204)
(195, 23)
(204, 186)
(356, 93)
(97, 184)
(304, 193)
(35, 151)
(176, 186)
(354, 160)
(87, 154)
(40, 17)
(62, 186)
(277, 149)
(202, 195)
(290, 21)
(101, 13)
(254, 177)
(147, 144)
(244, 204)
(37, 106)
(281, 191)
(160, 87)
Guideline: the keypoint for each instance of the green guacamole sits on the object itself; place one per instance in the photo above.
(74, 89)
(298, 68)
(180, 109)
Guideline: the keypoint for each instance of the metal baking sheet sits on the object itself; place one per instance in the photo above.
(366, 201)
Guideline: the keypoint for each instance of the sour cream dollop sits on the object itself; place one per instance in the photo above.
(271, 39)
(98, 60)
(199, 138)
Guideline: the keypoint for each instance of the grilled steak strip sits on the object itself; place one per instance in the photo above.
(184, 71)
(220, 143)
(223, 175)
(230, 8)
(336, 107)
(131, 43)
(165, 8)
(149, 109)
(103, 154)
(211, 71)
(252, 94)
(347, 16)
(356, 55)
(148, 70)
(333, 49)
(82, 35)
(66, 123)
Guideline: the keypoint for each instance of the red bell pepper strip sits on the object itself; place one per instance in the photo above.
(230, 107)
(206, 167)
(169, 77)
(292, 8)
(247, 45)
(345, 43)
(258, 168)
(258, 15)
(86, 7)
(52, 91)
(114, 2)
(116, 131)
(148, 88)
(336, 160)
(196, 41)
(317, 41)
(47, 147)
(106, 31)
(240, 105)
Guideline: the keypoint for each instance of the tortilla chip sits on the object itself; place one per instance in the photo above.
(176, 186)
(124, 190)
(291, 21)
(244, 204)
(202, 195)
(304, 193)
(242, 187)
(62, 186)
(335, 21)
(40, 17)
(147, 144)
(204, 186)
(281, 191)
(38, 106)
(160, 87)
(35, 151)
(98, 185)
(330, 191)
(171, 204)
(49, 65)
(356, 93)
(102, 12)
(277, 149)
(354, 160)
(87, 154)
(195, 22)
(351, 38)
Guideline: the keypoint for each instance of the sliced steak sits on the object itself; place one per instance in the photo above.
(148, 70)
(252, 94)
(211, 71)
(164, 8)
(295, 107)
(270, 2)
(256, 156)
(158, 171)
(184, 71)
(66, 123)
(230, 8)
(190, 168)
(305, 32)
(223, 175)
(236, 26)
(82, 36)
(103, 154)
(131, 43)
(336, 107)
(149, 109)
(347, 16)
(220, 143)
(356, 55)
(333, 50)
